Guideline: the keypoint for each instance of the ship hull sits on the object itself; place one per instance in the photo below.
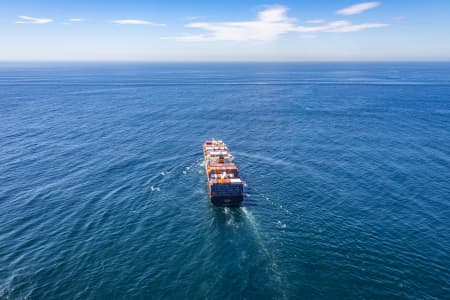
(227, 201)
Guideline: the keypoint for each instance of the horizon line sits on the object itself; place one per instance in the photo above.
(230, 61)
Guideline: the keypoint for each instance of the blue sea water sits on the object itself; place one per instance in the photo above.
(103, 195)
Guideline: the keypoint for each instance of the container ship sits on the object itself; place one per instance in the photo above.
(225, 187)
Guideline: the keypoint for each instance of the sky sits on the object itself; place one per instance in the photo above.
(139, 30)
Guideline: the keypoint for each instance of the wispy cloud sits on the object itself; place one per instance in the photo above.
(315, 21)
(32, 20)
(271, 23)
(357, 8)
(339, 26)
(136, 22)
(345, 26)
(76, 20)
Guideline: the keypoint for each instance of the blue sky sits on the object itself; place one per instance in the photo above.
(320, 30)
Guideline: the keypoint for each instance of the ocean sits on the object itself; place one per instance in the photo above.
(103, 193)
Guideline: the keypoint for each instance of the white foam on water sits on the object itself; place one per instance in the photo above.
(229, 217)
(230, 221)
(252, 221)
(155, 189)
(249, 216)
(281, 224)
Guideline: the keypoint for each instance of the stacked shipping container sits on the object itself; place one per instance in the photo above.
(224, 184)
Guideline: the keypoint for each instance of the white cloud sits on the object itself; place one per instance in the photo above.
(76, 20)
(136, 22)
(357, 8)
(271, 23)
(340, 26)
(344, 26)
(315, 21)
(31, 20)
(274, 14)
